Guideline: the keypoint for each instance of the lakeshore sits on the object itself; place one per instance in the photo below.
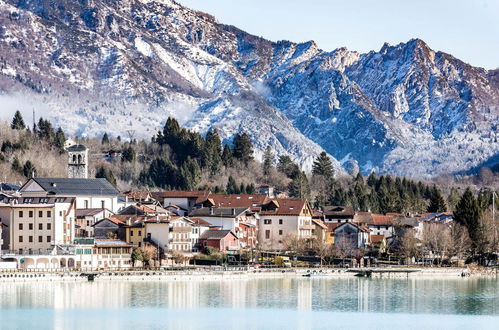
(221, 275)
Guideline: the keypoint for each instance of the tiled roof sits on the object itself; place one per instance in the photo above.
(340, 211)
(363, 217)
(287, 206)
(377, 238)
(200, 195)
(200, 222)
(219, 212)
(382, 220)
(239, 200)
(319, 223)
(137, 195)
(215, 234)
(74, 187)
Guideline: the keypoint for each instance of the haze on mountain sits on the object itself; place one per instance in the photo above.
(125, 66)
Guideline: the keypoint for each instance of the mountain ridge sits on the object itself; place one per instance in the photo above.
(127, 65)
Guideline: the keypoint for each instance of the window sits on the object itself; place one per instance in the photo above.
(140, 244)
(59, 200)
(267, 234)
(280, 221)
(44, 200)
(49, 239)
(20, 239)
(140, 233)
(49, 214)
(267, 221)
(30, 214)
(40, 239)
(30, 226)
(280, 232)
(102, 204)
(60, 213)
(86, 204)
(30, 239)
(20, 214)
(131, 232)
(40, 226)
(88, 222)
(28, 200)
(20, 226)
(49, 226)
(40, 214)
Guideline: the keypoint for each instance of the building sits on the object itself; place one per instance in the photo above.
(89, 193)
(146, 210)
(93, 254)
(77, 162)
(266, 189)
(223, 240)
(338, 214)
(284, 217)
(199, 226)
(109, 228)
(381, 225)
(2, 227)
(38, 224)
(187, 200)
(351, 236)
(252, 201)
(180, 235)
(240, 220)
(320, 230)
(87, 218)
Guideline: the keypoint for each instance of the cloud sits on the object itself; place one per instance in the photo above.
(261, 89)
(10, 103)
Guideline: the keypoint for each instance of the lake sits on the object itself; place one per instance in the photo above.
(289, 303)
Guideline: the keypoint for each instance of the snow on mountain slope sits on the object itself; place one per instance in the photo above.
(125, 65)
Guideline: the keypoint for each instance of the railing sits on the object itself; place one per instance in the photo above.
(43, 252)
(180, 240)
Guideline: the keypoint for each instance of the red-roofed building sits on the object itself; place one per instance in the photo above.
(185, 199)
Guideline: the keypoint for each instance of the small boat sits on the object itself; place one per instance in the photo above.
(314, 275)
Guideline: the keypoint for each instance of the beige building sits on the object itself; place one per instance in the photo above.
(38, 224)
(284, 217)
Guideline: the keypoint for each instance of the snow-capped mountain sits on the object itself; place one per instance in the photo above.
(125, 65)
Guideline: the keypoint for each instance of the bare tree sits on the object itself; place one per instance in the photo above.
(409, 246)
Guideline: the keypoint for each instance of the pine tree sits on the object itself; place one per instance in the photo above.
(29, 170)
(128, 154)
(243, 148)
(227, 158)
(232, 187)
(16, 165)
(242, 188)
(467, 213)
(453, 198)
(105, 139)
(45, 130)
(213, 151)
(250, 189)
(437, 202)
(107, 174)
(323, 166)
(299, 186)
(59, 140)
(190, 174)
(18, 121)
(268, 161)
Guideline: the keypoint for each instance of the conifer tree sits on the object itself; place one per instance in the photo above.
(128, 154)
(467, 213)
(213, 151)
(299, 186)
(242, 188)
(437, 202)
(59, 140)
(18, 121)
(268, 161)
(105, 139)
(29, 170)
(16, 165)
(227, 158)
(107, 174)
(323, 166)
(243, 148)
(190, 174)
(232, 187)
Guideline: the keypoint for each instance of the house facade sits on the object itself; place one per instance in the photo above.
(38, 224)
(87, 218)
(283, 217)
(352, 236)
(223, 240)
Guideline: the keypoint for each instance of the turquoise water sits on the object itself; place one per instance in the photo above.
(301, 303)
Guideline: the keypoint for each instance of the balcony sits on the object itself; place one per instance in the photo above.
(180, 240)
(307, 227)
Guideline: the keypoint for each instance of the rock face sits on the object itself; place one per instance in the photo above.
(124, 66)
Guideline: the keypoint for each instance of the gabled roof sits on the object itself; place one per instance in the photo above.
(89, 212)
(111, 219)
(200, 222)
(339, 211)
(137, 195)
(285, 206)
(382, 220)
(377, 238)
(213, 234)
(77, 148)
(239, 200)
(73, 187)
(359, 227)
(363, 218)
(200, 195)
(319, 223)
(219, 212)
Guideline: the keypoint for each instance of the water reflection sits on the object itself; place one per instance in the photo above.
(302, 295)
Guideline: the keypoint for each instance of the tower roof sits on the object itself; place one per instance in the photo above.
(77, 147)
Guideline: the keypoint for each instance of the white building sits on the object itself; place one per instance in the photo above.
(89, 193)
(284, 217)
(38, 224)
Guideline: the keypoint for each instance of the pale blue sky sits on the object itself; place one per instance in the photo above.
(468, 29)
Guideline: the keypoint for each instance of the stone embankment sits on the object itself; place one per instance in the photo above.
(243, 273)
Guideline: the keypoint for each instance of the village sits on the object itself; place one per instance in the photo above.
(82, 223)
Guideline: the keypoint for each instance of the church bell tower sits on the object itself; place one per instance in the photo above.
(78, 162)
